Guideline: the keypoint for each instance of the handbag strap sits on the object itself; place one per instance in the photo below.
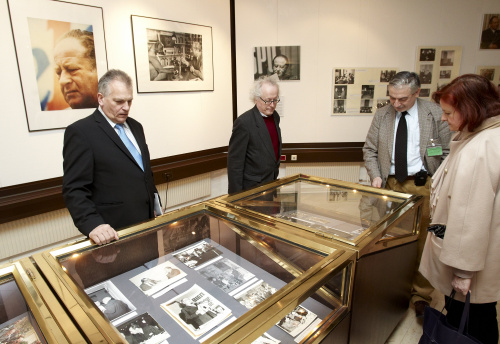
(465, 314)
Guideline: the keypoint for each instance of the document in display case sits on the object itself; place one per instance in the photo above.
(379, 224)
(29, 312)
(206, 274)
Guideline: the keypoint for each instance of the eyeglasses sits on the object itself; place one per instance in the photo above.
(274, 101)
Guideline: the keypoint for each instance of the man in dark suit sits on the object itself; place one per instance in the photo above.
(255, 144)
(105, 187)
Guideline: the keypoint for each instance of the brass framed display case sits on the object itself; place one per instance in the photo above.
(29, 312)
(205, 274)
(380, 225)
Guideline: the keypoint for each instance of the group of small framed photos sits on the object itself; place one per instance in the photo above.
(200, 289)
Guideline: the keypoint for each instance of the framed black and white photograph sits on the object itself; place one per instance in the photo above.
(282, 62)
(172, 56)
(490, 32)
(196, 311)
(61, 53)
(386, 75)
(344, 76)
(427, 54)
(226, 275)
(143, 329)
(157, 278)
(111, 301)
(198, 255)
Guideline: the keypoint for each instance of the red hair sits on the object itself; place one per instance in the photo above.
(474, 96)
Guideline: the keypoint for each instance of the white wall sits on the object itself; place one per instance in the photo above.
(174, 123)
(354, 33)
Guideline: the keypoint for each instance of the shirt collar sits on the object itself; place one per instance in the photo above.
(111, 123)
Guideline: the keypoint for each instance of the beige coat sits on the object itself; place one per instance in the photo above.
(466, 186)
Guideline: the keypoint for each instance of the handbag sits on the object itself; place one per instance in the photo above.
(437, 330)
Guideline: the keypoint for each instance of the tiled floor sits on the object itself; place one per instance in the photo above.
(409, 329)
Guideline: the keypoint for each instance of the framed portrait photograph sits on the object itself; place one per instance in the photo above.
(61, 54)
(490, 32)
(172, 56)
(281, 62)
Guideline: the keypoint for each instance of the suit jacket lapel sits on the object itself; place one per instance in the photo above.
(390, 119)
(108, 130)
(425, 122)
(263, 132)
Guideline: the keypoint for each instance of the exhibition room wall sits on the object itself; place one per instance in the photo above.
(174, 123)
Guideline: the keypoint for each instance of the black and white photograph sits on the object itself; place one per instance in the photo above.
(143, 329)
(111, 301)
(196, 311)
(425, 73)
(339, 106)
(226, 274)
(282, 62)
(296, 321)
(157, 278)
(427, 54)
(490, 32)
(447, 58)
(266, 339)
(198, 255)
(255, 294)
(488, 73)
(340, 92)
(387, 74)
(344, 76)
(382, 102)
(366, 106)
(425, 92)
(445, 74)
(172, 56)
(367, 91)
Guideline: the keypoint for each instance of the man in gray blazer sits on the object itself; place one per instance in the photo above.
(255, 144)
(427, 145)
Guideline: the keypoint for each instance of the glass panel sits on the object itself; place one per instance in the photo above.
(17, 323)
(331, 209)
(188, 278)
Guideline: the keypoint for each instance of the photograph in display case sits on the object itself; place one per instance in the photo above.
(172, 56)
(255, 294)
(492, 73)
(61, 53)
(198, 255)
(296, 321)
(111, 301)
(266, 339)
(19, 330)
(226, 275)
(490, 32)
(196, 311)
(157, 278)
(143, 329)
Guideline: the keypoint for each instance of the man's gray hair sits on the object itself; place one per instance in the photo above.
(256, 90)
(111, 75)
(86, 39)
(406, 78)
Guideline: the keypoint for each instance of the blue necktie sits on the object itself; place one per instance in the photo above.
(130, 146)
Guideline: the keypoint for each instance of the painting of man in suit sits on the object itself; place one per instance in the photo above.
(108, 183)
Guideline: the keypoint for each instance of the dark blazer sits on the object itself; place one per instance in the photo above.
(251, 159)
(102, 182)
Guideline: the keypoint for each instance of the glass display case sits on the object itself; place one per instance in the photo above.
(29, 312)
(380, 225)
(205, 274)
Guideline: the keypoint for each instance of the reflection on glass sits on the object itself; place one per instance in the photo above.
(17, 324)
(338, 211)
(190, 277)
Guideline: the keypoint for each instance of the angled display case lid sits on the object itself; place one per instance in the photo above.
(29, 311)
(204, 274)
(365, 218)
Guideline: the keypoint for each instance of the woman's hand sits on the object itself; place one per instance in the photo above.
(461, 285)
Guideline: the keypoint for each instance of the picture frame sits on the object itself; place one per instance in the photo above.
(172, 56)
(490, 32)
(37, 27)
